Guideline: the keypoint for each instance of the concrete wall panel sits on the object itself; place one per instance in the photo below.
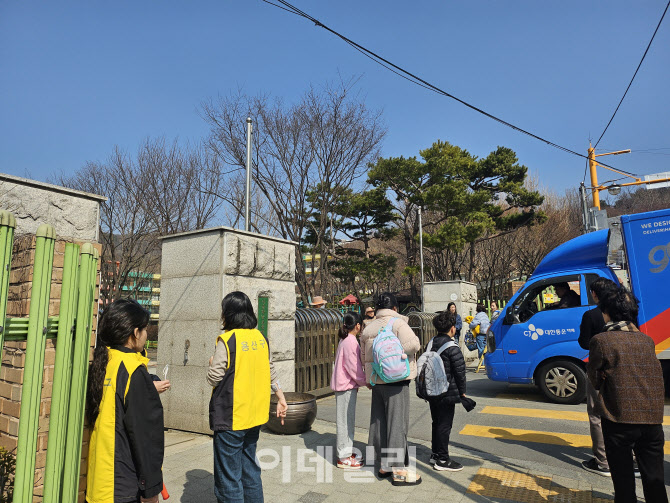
(203, 257)
(201, 335)
(286, 371)
(72, 213)
(186, 405)
(281, 335)
(281, 294)
(191, 298)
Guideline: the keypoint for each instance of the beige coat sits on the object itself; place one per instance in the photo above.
(410, 342)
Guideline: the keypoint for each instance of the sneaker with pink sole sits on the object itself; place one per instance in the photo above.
(350, 463)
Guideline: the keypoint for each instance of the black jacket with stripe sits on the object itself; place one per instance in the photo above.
(127, 442)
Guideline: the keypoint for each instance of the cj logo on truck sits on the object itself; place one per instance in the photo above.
(533, 332)
(664, 257)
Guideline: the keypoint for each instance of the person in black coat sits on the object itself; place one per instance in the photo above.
(592, 324)
(442, 409)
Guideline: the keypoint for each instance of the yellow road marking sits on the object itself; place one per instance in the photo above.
(528, 488)
(539, 437)
(541, 413)
(529, 397)
(567, 415)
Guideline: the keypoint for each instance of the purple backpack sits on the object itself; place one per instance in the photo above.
(389, 360)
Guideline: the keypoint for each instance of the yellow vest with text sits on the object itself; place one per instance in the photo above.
(241, 400)
(110, 467)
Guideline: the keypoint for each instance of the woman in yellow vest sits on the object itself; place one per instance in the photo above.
(126, 448)
(243, 375)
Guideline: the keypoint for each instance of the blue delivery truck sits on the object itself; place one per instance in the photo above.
(534, 339)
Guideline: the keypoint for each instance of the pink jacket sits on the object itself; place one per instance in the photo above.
(348, 370)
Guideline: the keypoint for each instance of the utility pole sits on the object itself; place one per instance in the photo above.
(613, 189)
(594, 176)
(593, 164)
(247, 203)
(585, 209)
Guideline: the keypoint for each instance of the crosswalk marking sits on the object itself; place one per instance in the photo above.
(540, 437)
(533, 396)
(541, 413)
(526, 397)
(567, 415)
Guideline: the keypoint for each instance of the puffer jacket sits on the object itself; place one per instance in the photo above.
(483, 321)
(454, 364)
(410, 342)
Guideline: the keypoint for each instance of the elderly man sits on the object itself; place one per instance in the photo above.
(624, 368)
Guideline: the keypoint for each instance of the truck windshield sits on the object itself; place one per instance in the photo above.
(558, 293)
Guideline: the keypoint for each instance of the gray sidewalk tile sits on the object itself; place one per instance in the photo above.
(188, 472)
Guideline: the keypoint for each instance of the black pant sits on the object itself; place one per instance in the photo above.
(442, 414)
(647, 441)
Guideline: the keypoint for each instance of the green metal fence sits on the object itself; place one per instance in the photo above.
(72, 331)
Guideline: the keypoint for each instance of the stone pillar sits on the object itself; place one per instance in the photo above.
(464, 295)
(197, 270)
(440, 293)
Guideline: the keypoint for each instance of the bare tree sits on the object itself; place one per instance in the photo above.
(563, 223)
(165, 189)
(178, 187)
(322, 143)
(129, 240)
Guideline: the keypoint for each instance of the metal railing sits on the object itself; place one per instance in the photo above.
(315, 343)
(422, 325)
(72, 329)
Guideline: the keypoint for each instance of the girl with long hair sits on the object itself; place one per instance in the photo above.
(348, 376)
(451, 309)
(126, 447)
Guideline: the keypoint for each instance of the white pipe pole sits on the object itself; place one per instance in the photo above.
(423, 303)
(247, 201)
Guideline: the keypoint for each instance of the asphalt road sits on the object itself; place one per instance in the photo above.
(510, 421)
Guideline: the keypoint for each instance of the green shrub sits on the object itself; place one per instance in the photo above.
(7, 467)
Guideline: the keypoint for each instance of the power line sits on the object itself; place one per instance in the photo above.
(636, 70)
(421, 82)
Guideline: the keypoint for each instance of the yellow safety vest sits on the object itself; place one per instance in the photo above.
(241, 400)
(110, 465)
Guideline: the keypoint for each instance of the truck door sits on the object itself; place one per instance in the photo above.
(541, 321)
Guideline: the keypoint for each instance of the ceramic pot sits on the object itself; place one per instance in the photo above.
(300, 415)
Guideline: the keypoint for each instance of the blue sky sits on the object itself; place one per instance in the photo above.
(77, 78)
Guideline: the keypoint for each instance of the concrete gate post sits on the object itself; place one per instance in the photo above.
(463, 294)
(197, 270)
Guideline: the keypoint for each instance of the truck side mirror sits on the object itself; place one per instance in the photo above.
(510, 317)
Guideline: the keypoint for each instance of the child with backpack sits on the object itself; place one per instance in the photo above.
(442, 407)
(348, 376)
(389, 338)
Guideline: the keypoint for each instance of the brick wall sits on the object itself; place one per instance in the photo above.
(13, 358)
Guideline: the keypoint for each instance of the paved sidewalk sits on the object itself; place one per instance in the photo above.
(300, 468)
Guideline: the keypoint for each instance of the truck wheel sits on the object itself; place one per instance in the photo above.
(562, 381)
